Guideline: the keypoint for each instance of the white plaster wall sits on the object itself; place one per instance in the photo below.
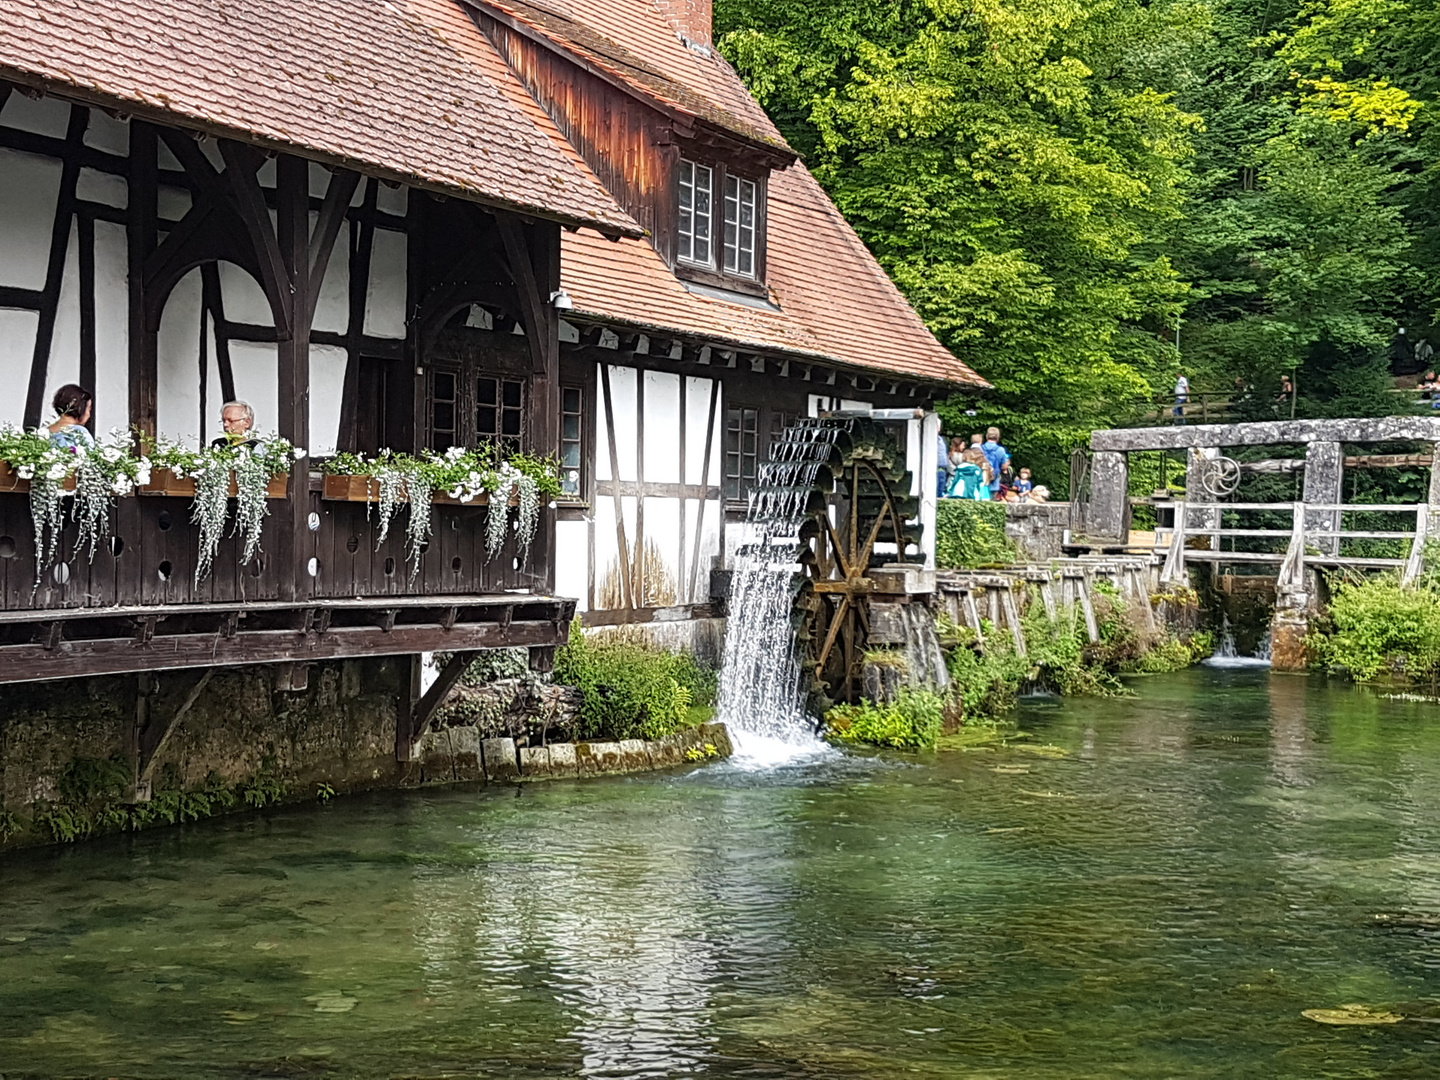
(572, 562)
(177, 401)
(29, 189)
(662, 428)
(698, 586)
(697, 420)
(172, 203)
(392, 200)
(257, 380)
(327, 385)
(385, 296)
(622, 401)
(112, 327)
(662, 545)
(108, 134)
(242, 298)
(17, 346)
(64, 364)
(42, 116)
(332, 312)
(92, 185)
(607, 552)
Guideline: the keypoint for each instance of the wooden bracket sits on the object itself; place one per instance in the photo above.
(387, 619)
(154, 733)
(447, 621)
(324, 623)
(52, 634)
(145, 630)
(413, 728)
(231, 626)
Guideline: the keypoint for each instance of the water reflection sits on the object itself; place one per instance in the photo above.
(1203, 861)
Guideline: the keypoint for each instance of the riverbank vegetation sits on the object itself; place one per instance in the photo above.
(1378, 628)
(987, 678)
(1083, 200)
(632, 690)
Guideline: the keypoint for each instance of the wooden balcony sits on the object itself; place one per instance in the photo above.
(137, 607)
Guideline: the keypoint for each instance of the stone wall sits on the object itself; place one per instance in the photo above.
(68, 747)
(68, 765)
(1037, 529)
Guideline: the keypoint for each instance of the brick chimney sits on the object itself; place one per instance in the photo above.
(691, 19)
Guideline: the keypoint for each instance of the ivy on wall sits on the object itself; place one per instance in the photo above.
(971, 534)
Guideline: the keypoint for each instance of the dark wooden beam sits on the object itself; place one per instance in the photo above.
(112, 656)
(292, 244)
(423, 712)
(155, 734)
(55, 268)
(533, 307)
(338, 194)
(241, 164)
(141, 229)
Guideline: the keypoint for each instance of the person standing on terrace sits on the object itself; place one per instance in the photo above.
(998, 457)
(237, 419)
(74, 404)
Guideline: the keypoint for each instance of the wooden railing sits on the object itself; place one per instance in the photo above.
(1305, 532)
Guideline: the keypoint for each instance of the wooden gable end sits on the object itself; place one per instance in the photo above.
(629, 144)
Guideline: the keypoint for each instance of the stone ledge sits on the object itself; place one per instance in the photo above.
(459, 753)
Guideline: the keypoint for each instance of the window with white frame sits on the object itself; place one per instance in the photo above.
(696, 214)
(740, 226)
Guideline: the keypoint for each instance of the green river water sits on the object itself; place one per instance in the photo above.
(1206, 859)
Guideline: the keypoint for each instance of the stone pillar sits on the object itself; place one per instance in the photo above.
(1324, 483)
(1109, 517)
(1199, 522)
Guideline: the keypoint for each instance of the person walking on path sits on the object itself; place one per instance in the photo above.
(998, 457)
(1182, 395)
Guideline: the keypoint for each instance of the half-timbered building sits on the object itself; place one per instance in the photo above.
(751, 303)
(311, 207)
(560, 227)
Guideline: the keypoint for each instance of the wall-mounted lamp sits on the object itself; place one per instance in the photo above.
(561, 300)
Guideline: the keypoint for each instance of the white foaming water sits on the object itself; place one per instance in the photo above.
(760, 697)
(1226, 656)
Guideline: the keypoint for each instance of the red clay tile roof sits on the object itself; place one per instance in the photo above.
(836, 303)
(405, 89)
(633, 42)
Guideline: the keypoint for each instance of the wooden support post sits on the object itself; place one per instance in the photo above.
(419, 716)
(1092, 628)
(292, 232)
(1012, 614)
(1047, 594)
(1174, 571)
(1416, 561)
(972, 613)
(141, 230)
(154, 734)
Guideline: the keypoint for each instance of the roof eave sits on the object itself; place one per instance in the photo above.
(624, 226)
(805, 356)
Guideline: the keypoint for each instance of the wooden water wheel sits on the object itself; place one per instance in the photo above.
(856, 521)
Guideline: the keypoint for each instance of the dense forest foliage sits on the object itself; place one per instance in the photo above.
(1065, 189)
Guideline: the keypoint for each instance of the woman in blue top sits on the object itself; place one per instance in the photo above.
(74, 404)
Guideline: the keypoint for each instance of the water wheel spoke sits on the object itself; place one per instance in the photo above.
(842, 563)
(835, 624)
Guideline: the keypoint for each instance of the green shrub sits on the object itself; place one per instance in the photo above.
(1377, 626)
(970, 534)
(631, 691)
(912, 722)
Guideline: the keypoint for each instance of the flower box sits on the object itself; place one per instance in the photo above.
(362, 488)
(165, 482)
(12, 482)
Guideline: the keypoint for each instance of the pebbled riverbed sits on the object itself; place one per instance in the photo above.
(1159, 895)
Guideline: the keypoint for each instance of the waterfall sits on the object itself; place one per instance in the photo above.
(760, 692)
(1227, 656)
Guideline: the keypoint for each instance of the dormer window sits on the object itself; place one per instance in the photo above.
(720, 228)
(696, 213)
(740, 226)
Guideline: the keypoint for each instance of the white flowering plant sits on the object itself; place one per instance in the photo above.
(252, 463)
(464, 475)
(101, 473)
